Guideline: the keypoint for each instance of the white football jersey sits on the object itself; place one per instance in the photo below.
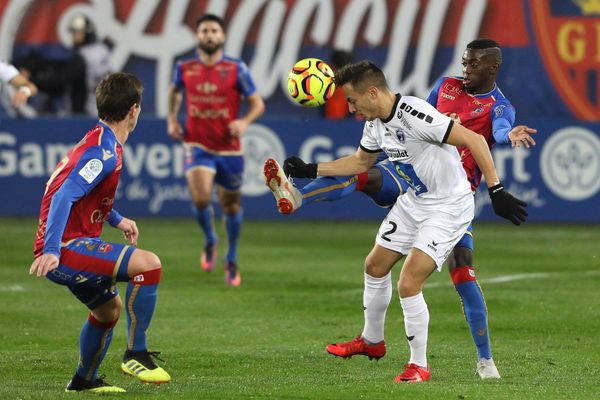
(7, 72)
(413, 137)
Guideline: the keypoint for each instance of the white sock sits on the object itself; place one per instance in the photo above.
(416, 322)
(376, 299)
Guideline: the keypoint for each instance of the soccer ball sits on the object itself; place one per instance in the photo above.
(310, 82)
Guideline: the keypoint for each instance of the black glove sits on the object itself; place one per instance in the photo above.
(507, 206)
(296, 168)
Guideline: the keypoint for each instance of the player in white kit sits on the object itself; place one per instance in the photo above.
(425, 224)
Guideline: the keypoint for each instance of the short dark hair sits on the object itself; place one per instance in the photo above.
(115, 95)
(213, 18)
(361, 75)
(487, 44)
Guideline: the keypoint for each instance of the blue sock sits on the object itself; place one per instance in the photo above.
(140, 302)
(94, 340)
(204, 217)
(328, 188)
(233, 223)
(474, 308)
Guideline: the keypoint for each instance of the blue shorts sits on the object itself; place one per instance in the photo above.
(467, 239)
(90, 268)
(229, 170)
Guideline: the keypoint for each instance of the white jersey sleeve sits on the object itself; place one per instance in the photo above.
(369, 141)
(7, 72)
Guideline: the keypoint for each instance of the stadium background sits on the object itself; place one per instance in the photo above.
(550, 73)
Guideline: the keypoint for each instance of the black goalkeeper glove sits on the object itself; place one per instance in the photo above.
(507, 206)
(296, 168)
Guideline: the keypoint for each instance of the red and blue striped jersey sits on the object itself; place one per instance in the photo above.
(213, 97)
(80, 193)
(490, 115)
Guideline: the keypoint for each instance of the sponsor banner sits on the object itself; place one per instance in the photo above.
(560, 177)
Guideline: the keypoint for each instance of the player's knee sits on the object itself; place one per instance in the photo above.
(147, 271)
(375, 269)
(231, 208)
(201, 203)
(463, 257)
(374, 181)
(108, 313)
(408, 287)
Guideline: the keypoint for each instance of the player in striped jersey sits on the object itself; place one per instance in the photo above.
(68, 249)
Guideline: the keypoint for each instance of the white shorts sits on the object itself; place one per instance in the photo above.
(432, 226)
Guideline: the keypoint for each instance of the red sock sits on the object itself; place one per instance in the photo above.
(462, 274)
(363, 177)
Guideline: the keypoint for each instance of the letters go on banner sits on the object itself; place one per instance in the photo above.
(559, 178)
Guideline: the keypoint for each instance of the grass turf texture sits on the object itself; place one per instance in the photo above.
(301, 289)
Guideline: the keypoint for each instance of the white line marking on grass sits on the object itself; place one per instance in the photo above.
(12, 288)
(512, 278)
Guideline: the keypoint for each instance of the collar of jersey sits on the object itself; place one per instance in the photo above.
(393, 112)
(107, 129)
(488, 94)
(218, 62)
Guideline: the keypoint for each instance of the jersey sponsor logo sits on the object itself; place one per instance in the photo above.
(447, 96)
(416, 113)
(206, 87)
(396, 153)
(91, 170)
(452, 89)
(106, 154)
(218, 113)
(568, 37)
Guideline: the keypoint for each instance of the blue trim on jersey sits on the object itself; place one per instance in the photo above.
(433, 96)
(503, 119)
(74, 188)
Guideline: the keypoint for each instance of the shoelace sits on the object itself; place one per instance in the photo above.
(155, 354)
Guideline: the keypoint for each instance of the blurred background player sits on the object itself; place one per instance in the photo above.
(476, 102)
(95, 59)
(22, 88)
(426, 223)
(214, 85)
(68, 249)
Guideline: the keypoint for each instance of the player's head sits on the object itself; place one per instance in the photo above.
(481, 61)
(119, 98)
(82, 30)
(210, 31)
(363, 83)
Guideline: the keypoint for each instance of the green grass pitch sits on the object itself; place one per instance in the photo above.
(301, 289)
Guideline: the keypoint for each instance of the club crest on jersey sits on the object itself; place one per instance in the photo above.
(105, 247)
(400, 135)
(568, 38)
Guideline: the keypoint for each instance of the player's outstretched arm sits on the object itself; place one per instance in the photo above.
(130, 230)
(504, 204)
(350, 165)
(25, 89)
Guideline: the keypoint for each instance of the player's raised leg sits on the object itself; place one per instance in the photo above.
(200, 173)
(376, 299)
(288, 197)
(461, 270)
(143, 271)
